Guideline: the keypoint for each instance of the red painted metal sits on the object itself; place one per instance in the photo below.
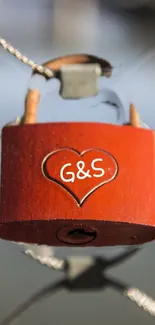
(108, 198)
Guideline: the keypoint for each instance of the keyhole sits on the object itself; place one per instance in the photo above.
(78, 235)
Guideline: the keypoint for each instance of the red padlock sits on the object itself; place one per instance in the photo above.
(84, 184)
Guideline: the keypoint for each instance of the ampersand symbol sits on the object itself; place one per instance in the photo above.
(80, 165)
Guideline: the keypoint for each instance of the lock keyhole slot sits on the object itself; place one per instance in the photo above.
(80, 233)
(76, 234)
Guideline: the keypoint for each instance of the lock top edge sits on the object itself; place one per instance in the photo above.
(74, 123)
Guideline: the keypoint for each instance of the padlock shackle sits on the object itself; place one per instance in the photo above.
(134, 117)
(56, 64)
(33, 96)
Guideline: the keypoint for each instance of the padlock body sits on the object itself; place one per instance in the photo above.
(78, 184)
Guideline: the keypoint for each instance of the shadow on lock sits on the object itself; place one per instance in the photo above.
(77, 183)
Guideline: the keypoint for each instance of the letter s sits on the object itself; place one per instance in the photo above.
(102, 172)
(67, 180)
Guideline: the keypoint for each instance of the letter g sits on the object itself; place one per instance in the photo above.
(71, 179)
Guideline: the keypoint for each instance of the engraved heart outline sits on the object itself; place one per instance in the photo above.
(80, 154)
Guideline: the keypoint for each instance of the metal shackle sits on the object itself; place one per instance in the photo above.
(33, 95)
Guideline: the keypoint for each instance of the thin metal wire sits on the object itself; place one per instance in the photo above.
(8, 47)
(135, 295)
(49, 261)
(141, 299)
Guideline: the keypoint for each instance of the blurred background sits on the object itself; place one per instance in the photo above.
(42, 30)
